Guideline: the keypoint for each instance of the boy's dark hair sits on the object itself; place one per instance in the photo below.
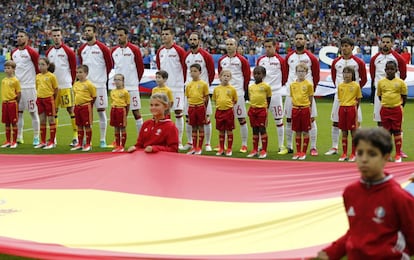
(261, 69)
(196, 65)
(10, 63)
(350, 69)
(162, 73)
(84, 67)
(50, 65)
(378, 137)
(347, 40)
(392, 62)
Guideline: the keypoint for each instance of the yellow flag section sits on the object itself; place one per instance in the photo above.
(113, 221)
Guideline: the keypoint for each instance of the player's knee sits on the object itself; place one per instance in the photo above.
(137, 114)
(242, 121)
(101, 109)
(335, 124)
(179, 115)
(289, 120)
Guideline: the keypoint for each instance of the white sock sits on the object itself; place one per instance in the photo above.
(138, 124)
(189, 133)
(103, 124)
(207, 133)
(35, 124)
(179, 123)
(289, 135)
(280, 129)
(313, 134)
(20, 125)
(335, 136)
(244, 133)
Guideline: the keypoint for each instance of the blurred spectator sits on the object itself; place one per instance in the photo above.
(405, 54)
(146, 59)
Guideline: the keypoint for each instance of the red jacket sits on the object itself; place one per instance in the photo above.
(381, 222)
(162, 136)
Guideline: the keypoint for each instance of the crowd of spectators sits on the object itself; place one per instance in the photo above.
(250, 21)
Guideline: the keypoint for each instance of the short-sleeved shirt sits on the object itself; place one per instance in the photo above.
(300, 93)
(225, 97)
(46, 83)
(165, 90)
(120, 97)
(258, 94)
(84, 91)
(10, 87)
(348, 93)
(391, 91)
(195, 91)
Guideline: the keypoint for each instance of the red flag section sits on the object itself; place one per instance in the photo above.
(171, 206)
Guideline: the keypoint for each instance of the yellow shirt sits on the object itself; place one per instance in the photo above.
(120, 97)
(348, 93)
(225, 97)
(195, 91)
(166, 90)
(84, 92)
(258, 94)
(10, 87)
(300, 93)
(46, 83)
(391, 91)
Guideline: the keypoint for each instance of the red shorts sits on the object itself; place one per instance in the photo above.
(46, 105)
(83, 115)
(224, 120)
(118, 117)
(301, 119)
(391, 118)
(347, 118)
(197, 115)
(257, 116)
(9, 112)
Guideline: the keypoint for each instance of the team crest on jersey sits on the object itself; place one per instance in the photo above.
(146, 129)
(158, 132)
(379, 215)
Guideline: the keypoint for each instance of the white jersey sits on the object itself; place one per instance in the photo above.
(98, 58)
(65, 65)
(380, 60)
(26, 66)
(128, 62)
(293, 59)
(357, 64)
(240, 71)
(275, 72)
(172, 61)
(205, 60)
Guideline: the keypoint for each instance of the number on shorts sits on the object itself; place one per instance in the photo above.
(31, 104)
(101, 100)
(239, 111)
(64, 100)
(278, 110)
(134, 101)
(178, 101)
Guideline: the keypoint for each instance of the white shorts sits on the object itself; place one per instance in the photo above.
(240, 108)
(179, 102)
(101, 98)
(209, 108)
(335, 111)
(276, 106)
(135, 100)
(377, 108)
(28, 100)
(288, 107)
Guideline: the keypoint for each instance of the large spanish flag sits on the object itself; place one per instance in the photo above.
(171, 206)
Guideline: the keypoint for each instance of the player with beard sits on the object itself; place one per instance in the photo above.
(64, 59)
(197, 55)
(240, 71)
(171, 58)
(128, 61)
(26, 59)
(97, 56)
(301, 55)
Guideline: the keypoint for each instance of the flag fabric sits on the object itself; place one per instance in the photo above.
(171, 206)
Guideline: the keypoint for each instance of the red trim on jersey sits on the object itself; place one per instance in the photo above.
(181, 53)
